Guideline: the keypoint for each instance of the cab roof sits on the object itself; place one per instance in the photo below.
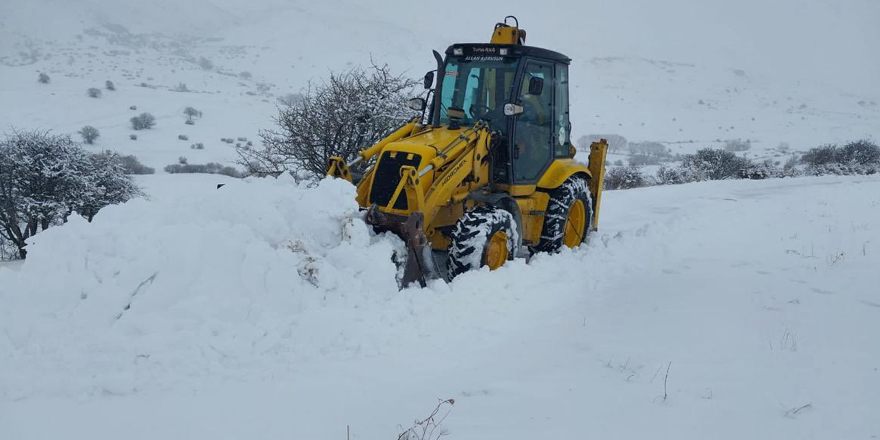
(513, 50)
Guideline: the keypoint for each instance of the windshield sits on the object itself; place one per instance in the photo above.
(480, 86)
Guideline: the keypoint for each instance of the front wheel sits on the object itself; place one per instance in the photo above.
(569, 216)
(485, 236)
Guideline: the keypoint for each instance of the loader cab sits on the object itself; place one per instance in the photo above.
(522, 94)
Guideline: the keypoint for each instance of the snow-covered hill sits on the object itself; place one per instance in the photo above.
(686, 75)
(215, 314)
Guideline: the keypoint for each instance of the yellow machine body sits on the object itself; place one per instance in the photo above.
(424, 177)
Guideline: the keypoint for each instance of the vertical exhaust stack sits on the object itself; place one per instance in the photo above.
(507, 34)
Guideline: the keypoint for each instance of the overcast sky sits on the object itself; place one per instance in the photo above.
(833, 41)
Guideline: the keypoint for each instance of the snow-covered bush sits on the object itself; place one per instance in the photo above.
(649, 149)
(625, 178)
(616, 142)
(143, 121)
(713, 164)
(205, 63)
(45, 177)
(208, 168)
(43, 78)
(109, 85)
(858, 157)
(89, 134)
(736, 145)
(348, 112)
(131, 165)
(94, 92)
(761, 170)
(668, 175)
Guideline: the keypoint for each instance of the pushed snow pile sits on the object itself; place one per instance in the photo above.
(161, 282)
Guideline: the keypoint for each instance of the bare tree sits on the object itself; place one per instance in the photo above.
(89, 134)
(191, 112)
(348, 112)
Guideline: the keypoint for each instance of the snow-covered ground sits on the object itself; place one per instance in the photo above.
(268, 310)
(214, 314)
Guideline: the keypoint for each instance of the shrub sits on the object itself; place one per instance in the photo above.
(861, 152)
(821, 155)
(736, 145)
(182, 137)
(181, 87)
(197, 146)
(44, 177)
(131, 165)
(190, 122)
(859, 157)
(759, 171)
(667, 175)
(208, 168)
(89, 134)
(640, 160)
(205, 63)
(133, 137)
(650, 149)
(625, 178)
(616, 142)
(351, 111)
(109, 85)
(143, 121)
(94, 92)
(712, 164)
(134, 107)
(43, 78)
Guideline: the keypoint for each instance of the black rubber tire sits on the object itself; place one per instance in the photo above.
(471, 234)
(561, 200)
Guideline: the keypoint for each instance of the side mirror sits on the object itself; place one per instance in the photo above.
(536, 85)
(429, 79)
(417, 104)
(512, 109)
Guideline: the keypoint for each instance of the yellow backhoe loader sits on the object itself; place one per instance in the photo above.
(488, 172)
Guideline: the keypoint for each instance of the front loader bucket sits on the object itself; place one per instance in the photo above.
(420, 265)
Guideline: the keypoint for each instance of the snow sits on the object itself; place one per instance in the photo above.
(758, 295)
(267, 309)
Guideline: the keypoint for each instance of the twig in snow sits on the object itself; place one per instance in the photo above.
(656, 373)
(666, 379)
(425, 429)
(793, 411)
(137, 290)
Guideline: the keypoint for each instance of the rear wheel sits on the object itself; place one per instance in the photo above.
(569, 216)
(485, 236)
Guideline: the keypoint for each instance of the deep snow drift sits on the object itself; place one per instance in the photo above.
(268, 310)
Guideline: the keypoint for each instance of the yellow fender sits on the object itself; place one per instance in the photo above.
(562, 169)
